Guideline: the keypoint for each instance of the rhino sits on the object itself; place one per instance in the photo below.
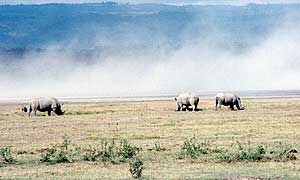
(228, 99)
(185, 100)
(43, 105)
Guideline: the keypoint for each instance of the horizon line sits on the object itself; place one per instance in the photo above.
(179, 4)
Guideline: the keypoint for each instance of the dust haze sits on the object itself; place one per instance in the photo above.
(197, 65)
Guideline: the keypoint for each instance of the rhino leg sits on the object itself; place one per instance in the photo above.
(184, 109)
(179, 106)
(29, 110)
(49, 112)
(232, 106)
(196, 106)
(189, 108)
(218, 104)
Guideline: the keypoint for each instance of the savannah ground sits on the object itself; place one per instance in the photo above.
(268, 121)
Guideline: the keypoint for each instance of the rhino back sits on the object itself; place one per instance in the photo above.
(187, 98)
(44, 103)
(229, 97)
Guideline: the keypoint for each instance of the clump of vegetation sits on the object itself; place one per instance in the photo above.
(111, 152)
(91, 154)
(60, 153)
(123, 151)
(6, 156)
(238, 152)
(158, 147)
(108, 152)
(126, 150)
(136, 167)
(283, 153)
(261, 152)
(192, 149)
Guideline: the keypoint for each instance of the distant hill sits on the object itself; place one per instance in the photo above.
(87, 27)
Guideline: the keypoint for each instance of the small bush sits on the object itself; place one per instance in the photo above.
(237, 152)
(241, 153)
(60, 153)
(108, 152)
(136, 167)
(91, 154)
(126, 150)
(6, 156)
(159, 147)
(283, 153)
(192, 149)
(256, 153)
(111, 152)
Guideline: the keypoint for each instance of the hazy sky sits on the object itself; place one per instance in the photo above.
(177, 2)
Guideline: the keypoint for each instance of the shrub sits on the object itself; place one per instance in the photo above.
(111, 152)
(283, 153)
(256, 153)
(126, 150)
(237, 152)
(108, 152)
(136, 167)
(159, 147)
(243, 153)
(91, 154)
(6, 156)
(60, 153)
(192, 149)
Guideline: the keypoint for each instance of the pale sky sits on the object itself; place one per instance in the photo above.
(174, 2)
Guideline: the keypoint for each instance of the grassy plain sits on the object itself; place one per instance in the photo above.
(144, 124)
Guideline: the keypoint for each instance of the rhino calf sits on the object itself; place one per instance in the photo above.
(44, 105)
(184, 101)
(228, 99)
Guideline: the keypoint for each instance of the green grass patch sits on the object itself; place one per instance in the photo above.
(237, 152)
(192, 149)
(111, 152)
(61, 153)
(6, 156)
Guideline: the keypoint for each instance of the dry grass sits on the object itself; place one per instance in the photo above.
(267, 121)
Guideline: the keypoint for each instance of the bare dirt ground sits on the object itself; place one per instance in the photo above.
(145, 123)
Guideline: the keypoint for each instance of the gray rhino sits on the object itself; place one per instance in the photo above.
(228, 99)
(43, 105)
(185, 100)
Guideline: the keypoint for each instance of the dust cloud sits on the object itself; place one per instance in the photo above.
(272, 64)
